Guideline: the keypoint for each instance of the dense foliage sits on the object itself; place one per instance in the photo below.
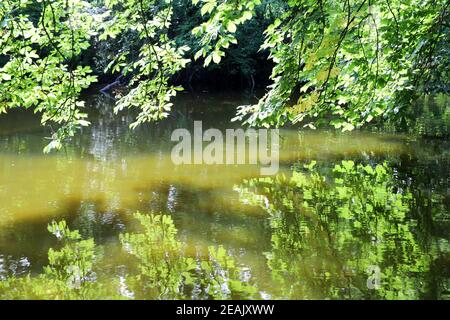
(342, 63)
(352, 61)
(40, 45)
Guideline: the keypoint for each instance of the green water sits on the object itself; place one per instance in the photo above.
(312, 232)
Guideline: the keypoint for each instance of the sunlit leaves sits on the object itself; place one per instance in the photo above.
(41, 68)
(344, 63)
(218, 33)
(159, 58)
(365, 62)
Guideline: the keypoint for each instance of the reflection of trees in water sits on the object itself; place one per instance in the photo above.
(427, 117)
(13, 266)
(330, 226)
(160, 269)
(95, 220)
(110, 137)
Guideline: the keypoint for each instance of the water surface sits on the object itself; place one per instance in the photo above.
(289, 250)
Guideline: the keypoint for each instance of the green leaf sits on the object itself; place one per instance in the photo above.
(231, 27)
(216, 57)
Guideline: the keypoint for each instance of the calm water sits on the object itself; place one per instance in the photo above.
(288, 249)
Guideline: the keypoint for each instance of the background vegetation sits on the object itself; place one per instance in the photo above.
(341, 63)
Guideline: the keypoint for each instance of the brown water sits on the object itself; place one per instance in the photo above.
(108, 172)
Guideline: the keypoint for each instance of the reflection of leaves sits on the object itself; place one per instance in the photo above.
(159, 256)
(73, 263)
(328, 228)
(69, 274)
(162, 271)
(222, 279)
